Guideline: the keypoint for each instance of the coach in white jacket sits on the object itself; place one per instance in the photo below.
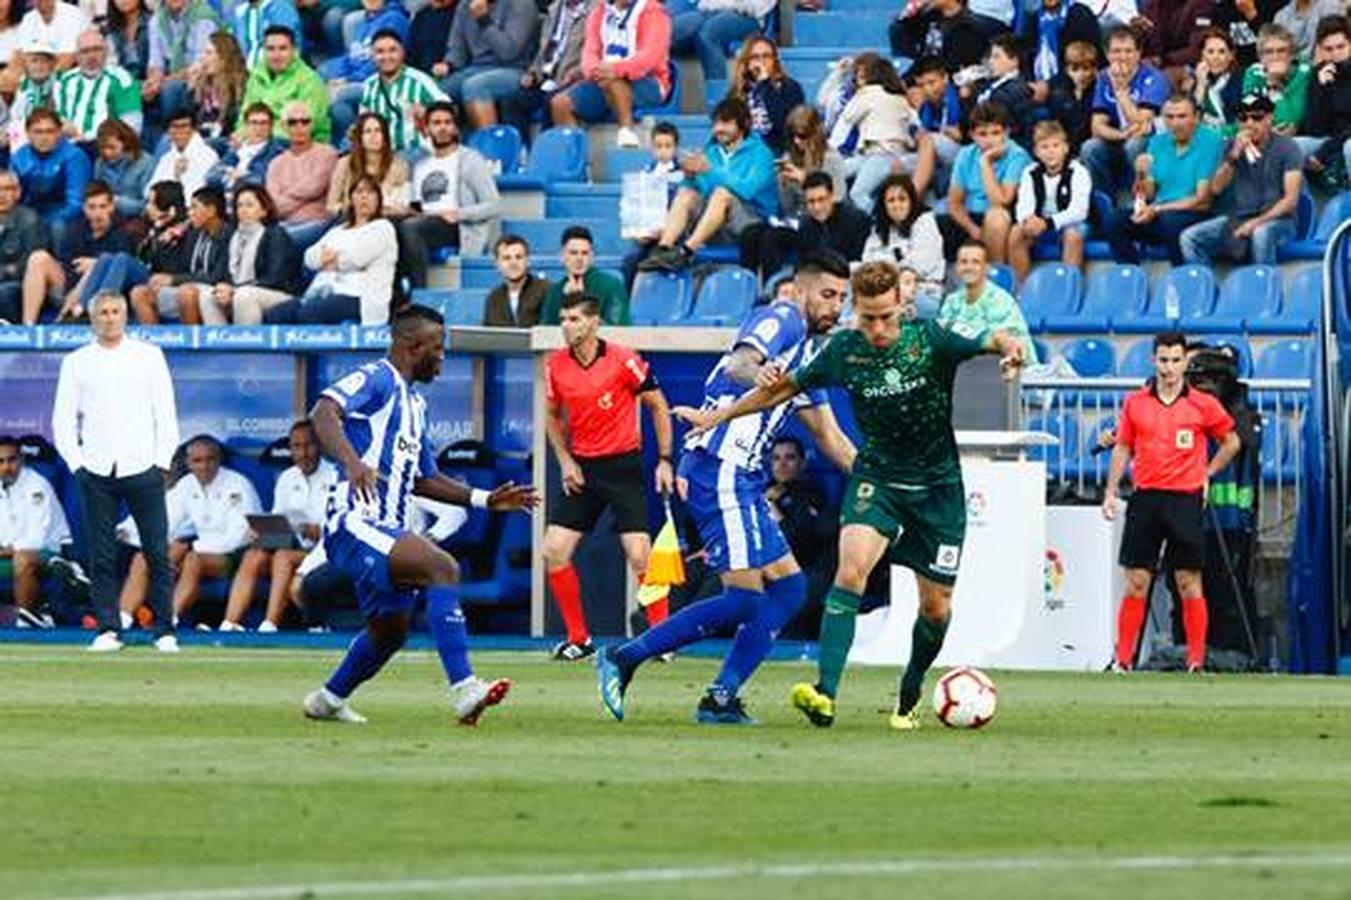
(116, 426)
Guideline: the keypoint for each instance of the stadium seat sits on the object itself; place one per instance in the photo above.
(1292, 358)
(660, 298)
(725, 297)
(510, 578)
(845, 31)
(1059, 458)
(544, 235)
(715, 89)
(461, 308)
(1237, 342)
(671, 106)
(1336, 211)
(1113, 292)
(1091, 357)
(501, 144)
(1185, 293)
(1249, 296)
(558, 154)
(1101, 210)
(1138, 360)
(1050, 292)
(619, 161)
(1003, 276)
(1303, 304)
(582, 200)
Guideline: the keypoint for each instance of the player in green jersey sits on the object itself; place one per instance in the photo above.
(905, 498)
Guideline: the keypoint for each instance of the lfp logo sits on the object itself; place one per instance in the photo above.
(1053, 581)
(977, 507)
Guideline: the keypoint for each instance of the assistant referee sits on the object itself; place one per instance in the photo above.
(597, 385)
(1164, 427)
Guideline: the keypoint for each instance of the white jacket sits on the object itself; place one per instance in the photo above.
(31, 517)
(367, 255)
(302, 498)
(214, 512)
(199, 157)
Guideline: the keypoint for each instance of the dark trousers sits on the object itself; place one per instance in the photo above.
(144, 496)
(315, 309)
(11, 301)
(1164, 230)
(418, 237)
(765, 249)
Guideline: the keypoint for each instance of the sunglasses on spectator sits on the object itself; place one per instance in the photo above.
(299, 121)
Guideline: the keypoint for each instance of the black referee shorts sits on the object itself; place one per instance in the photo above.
(1153, 517)
(614, 481)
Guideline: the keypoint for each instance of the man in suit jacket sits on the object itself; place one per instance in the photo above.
(516, 302)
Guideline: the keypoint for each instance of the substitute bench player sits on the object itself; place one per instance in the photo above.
(595, 385)
(1164, 427)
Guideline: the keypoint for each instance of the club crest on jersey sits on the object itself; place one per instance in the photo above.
(606, 400)
(863, 497)
(1185, 439)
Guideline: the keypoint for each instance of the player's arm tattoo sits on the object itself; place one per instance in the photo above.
(743, 366)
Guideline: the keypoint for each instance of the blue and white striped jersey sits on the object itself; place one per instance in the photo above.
(779, 332)
(385, 419)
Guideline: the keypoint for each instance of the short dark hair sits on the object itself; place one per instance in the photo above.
(991, 113)
(411, 319)
(732, 109)
(822, 261)
(213, 197)
(169, 195)
(282, 30)
(818, 179)
(41, 113)
(180, 114)
(444, 106)
(9, 440)
(258, 107)
(589, 303)
(972, 244)
(1122, 33)
(1181, 97)
(1330, 25)
(1170, 339)
(299, 425)
(576, 233)
(98, 188)
(387, 33)
(264, 199)
(1008, 42)
(927, 65)
(668, 128)
(790, 439)
(510, 240)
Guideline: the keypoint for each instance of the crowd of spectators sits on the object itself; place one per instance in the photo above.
(275, 161)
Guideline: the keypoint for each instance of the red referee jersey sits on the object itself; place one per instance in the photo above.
(1168, 441)
(600, 399)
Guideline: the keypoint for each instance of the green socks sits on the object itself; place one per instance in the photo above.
(837, 634)
(925, 642)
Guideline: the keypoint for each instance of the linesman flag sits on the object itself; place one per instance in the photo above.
(665, 565)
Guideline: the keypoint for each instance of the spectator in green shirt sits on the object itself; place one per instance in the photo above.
(1282, 76)
(982, 307)
(580, 277)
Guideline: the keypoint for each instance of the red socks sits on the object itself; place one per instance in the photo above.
(1129, 619)
(567, 592)
(1195, 621)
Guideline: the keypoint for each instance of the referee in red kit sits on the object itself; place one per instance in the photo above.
(597, 384)
(1164, 427)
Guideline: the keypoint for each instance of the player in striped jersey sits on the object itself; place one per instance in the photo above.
(373, 421)
(398, 93)
(93, 91)
(722, 482)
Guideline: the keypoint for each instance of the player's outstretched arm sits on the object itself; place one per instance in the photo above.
(327, 418)
(830, 438)
(507, 497)
(749, 402)
(1009, 349)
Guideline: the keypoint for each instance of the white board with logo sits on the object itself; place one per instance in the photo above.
(1000, 581)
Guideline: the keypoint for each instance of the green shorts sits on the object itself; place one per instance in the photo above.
(926, 525)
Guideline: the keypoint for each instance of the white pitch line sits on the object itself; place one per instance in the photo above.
(479, 884)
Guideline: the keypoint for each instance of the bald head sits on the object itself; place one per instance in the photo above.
(91, 51)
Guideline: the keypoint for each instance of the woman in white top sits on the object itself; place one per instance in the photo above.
(889, 137)
(355, 262)
(905, 233)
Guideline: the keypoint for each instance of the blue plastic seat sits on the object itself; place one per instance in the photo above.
(1303, 307)
(1336, 211)
(840, 30)
(1250, 296)
(1137, 361)
(1097, 248)
(1287, 358)
(1003, 276)
(500, 144)
(582, 200)
(1182, 294)
(558, 154)
(1051, 292)
(1061, 458)
(725, 297)
(1113, 292)
(544, 235)
(660, 298)
(620, 161)
(1091, 357)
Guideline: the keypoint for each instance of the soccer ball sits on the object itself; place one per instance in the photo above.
(965, 698)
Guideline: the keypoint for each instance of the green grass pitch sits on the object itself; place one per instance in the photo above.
(197, 776)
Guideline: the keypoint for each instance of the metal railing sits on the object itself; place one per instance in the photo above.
(1078, 410)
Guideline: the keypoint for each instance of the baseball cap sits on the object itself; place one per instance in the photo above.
(1256, 103)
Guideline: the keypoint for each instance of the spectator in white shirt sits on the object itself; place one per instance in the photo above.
(187, 160)
(301, 496)
(210, 527)
(1053, 201)
(32, 529)
(59, 24)
(116, 426)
